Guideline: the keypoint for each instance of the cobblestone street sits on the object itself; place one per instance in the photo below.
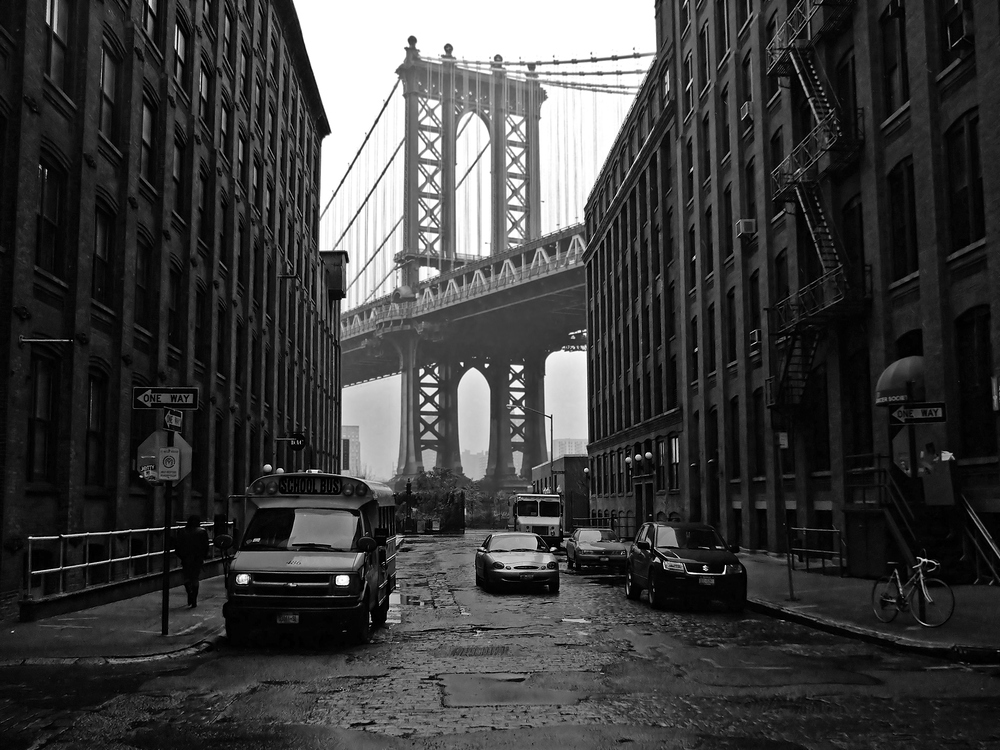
(583, 668)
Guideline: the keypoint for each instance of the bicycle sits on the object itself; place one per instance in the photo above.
(934, 603)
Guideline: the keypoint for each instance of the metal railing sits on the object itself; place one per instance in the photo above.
(987, 552)
(826, 545)
(56, 564)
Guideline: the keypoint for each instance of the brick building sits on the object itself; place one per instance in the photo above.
(160, 166)
(797, 201)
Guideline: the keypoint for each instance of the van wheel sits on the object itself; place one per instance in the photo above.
(632, 590)
(361, 628)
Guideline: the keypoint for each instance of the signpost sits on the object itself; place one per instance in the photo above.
(161, 459)
(920, 413)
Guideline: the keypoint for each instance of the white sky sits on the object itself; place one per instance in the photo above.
(355, 48)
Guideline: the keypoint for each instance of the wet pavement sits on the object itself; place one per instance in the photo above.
(132, 629)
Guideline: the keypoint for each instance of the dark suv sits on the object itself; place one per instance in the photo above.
(686, 561)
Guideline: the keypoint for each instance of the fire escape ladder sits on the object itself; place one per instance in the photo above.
(808, 198)
(816, 93)
(785, 395)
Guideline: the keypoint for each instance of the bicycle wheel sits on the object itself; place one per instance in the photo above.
(935, 608)
(885, 598)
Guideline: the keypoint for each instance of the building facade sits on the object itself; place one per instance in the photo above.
(796, 201)
(160, 166)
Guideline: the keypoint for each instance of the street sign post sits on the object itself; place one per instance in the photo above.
(149, 397)
(919, 413)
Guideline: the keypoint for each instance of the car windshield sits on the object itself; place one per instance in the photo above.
(598, 535)
(670, 538)
(522, 542)
(303, 529)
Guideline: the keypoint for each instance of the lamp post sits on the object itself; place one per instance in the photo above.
(552, 467)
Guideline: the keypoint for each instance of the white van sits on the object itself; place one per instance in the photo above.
(538, 514)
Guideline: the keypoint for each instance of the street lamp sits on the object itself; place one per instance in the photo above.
(552, 466)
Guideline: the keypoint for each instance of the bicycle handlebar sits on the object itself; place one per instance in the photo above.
(922, 561)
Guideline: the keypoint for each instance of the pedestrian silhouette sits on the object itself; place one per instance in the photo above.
(192, 549)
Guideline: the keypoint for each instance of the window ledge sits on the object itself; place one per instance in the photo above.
(904, 281)
(897, 118)
(969, 249)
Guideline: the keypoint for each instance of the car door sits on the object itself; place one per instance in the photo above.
(640, 557)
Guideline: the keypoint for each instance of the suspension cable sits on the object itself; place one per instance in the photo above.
(369, 195)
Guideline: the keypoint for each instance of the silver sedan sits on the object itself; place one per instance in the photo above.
(515, 558)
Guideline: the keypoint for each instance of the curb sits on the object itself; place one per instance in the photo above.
(953, 652)
(207, 644)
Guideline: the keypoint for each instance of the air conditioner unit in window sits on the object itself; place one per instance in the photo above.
(746, 113)
(746, 227)
(755, 339)
(961, 31)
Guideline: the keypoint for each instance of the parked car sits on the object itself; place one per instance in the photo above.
(596, 547)
(686, 561)
(516, 558)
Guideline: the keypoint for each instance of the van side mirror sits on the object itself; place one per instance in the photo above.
(224, 542)
(366, 544)
(734, 548)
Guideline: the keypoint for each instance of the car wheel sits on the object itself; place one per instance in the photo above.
(237, 634)
(361, 628)
(380, 614)
(632, 590)
(655, 592)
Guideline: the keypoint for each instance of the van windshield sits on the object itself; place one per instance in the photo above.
(303, 529)
(536, 508)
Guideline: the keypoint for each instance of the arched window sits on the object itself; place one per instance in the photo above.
(96, 463)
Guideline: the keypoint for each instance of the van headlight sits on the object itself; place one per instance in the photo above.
(242, 579)
(343, 581)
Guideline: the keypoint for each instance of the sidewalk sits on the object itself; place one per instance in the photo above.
(843, 606)
(130, 630)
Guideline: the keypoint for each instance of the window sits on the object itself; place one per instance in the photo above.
(754, 302)
(966, 218)
(852, 231)
(956, 30)
(245, 70)
(104, 257)
(143, 305)
(228, 37)
(222, 362)
(731, 325)
(147, 148)
(258, 192)
(723, 121)
(674, 473)
(781, 287)
(902, 219)
(173, 308)
(759, 468)
(770, 82)
(692, 253)
(746, 80)
(693, 358)
(108, 107)
(202, 324)
(711, 363)
(685, 14)
(721, 28)
(57, 41)
(97, 404)
(706, 148)
(728, 225)
(735, 439)
(182, 68)
(704, 58)
(204, 208)
(151, 19)
(974, 356)
(43, 424)
(777, 156)
(226, 130)
(744, 8)
(689, 169)
(205, 108)
(49, 239)
(688, 85)
(177, 177)
(707, 242)
(750, 190)
(241, 160)
(895, 74)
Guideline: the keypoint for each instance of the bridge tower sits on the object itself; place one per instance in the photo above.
(437, 94)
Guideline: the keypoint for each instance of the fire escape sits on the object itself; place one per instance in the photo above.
(834, 143)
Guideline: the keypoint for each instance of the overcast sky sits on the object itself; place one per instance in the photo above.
(355, 48)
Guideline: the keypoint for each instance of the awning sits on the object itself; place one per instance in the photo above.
(901, 381)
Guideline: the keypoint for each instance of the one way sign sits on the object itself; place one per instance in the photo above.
(918, 413)
(181, 397)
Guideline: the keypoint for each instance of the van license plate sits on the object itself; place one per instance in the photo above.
(706, 581)
(604, 559)
(288, 618)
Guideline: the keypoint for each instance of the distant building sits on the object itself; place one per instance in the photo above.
(351, 452)
(569, 447)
